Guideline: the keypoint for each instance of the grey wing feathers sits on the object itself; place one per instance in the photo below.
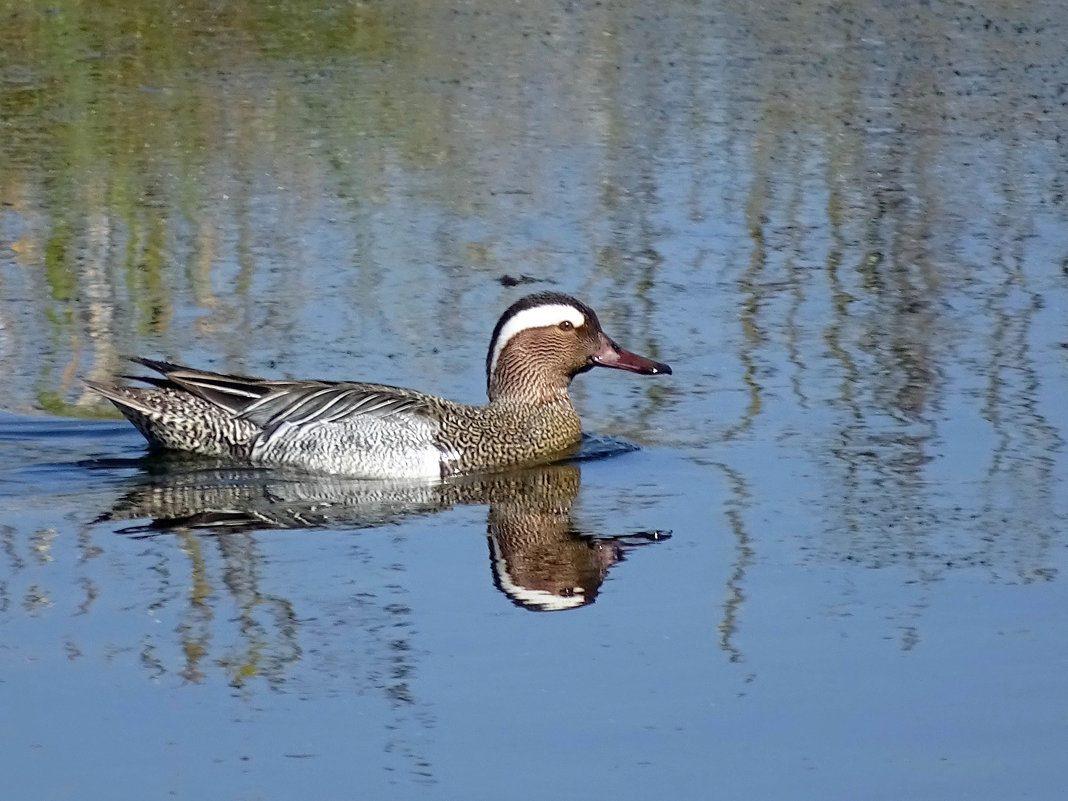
(230, 392)
(309, 404)
(271, 404)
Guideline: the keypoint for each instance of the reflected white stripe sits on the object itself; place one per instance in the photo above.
(537, 599)
(537, 317)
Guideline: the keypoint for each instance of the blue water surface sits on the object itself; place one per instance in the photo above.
(824, 559)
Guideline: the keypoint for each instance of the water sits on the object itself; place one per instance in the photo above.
(834, 566)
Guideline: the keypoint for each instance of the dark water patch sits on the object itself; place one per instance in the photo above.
(48, 456)
(602, 446)
(22, 428)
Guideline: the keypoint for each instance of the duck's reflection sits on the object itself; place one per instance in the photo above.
(538, 557)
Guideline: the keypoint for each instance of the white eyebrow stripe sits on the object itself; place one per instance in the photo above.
(536, 317)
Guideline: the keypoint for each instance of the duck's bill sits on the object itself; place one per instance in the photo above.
(611, 355)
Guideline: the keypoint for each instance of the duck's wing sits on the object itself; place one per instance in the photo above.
(271, 404)
(227, 390)
(306, 403)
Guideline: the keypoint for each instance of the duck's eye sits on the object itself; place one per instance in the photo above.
(566, 325)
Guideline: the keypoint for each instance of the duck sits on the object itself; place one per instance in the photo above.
(377, 431)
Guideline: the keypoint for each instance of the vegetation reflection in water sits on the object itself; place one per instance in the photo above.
(158, 159)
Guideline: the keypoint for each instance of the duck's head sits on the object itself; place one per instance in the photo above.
(544, 340)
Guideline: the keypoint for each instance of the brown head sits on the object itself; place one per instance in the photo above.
(543, 341)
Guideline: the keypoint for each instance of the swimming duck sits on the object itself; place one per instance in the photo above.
(376, 431)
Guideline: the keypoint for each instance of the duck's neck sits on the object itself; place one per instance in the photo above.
(527, 383)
